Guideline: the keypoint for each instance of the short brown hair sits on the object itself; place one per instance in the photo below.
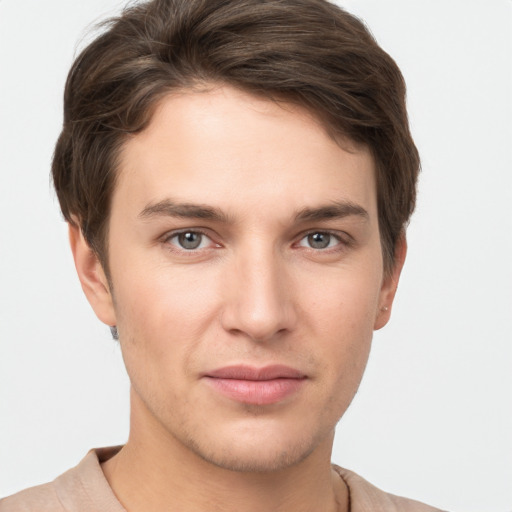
(309, 52)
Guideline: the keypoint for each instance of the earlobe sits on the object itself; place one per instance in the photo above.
(390, 284)
(92, 276)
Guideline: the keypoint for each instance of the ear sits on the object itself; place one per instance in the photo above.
(92, 277)
(390, 284)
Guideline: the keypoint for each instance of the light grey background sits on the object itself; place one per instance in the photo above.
(433, 417)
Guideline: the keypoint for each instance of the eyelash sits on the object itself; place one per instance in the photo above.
(343, 242)
(175, 234)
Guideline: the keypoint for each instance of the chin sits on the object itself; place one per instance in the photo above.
(260, 461)
(264, 453)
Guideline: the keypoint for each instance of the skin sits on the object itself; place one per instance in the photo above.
(256, 291)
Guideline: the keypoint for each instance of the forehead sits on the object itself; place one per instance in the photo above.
(235, 151)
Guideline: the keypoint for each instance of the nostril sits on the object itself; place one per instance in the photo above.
(259, 330)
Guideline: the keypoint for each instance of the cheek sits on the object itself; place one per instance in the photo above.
(342, 314)
(162, 314)
(162, 296)
(346, 300)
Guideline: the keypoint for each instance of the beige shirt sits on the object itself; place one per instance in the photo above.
(85, 489)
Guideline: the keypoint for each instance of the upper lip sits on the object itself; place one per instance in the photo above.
(246, 372)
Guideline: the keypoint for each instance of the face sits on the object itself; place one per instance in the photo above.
(247, 277)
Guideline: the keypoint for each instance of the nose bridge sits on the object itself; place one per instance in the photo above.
(259, 304)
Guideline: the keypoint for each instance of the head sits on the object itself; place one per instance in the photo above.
(238, 176)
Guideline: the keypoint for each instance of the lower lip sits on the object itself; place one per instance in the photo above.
(256, 392)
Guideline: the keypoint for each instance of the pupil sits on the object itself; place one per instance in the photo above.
(190, 240)
(319, 240)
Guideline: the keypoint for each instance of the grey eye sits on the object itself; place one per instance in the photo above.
(319, 240)
(190, 240)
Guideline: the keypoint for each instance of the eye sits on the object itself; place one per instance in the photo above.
(319, 240)
(189, 240)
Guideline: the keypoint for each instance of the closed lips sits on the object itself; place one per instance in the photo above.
(256, 386)
(242, 372)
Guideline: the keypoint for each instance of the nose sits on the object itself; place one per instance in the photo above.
(259, 299)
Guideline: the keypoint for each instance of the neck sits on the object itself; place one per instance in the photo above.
(155, 472)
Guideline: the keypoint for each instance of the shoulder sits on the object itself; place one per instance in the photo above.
(81, 489)
(42, 498)
(365, 497)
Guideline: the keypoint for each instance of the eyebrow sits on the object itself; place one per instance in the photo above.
(336, 210)
(167, 208)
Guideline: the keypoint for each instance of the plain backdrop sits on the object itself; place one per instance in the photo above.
(433, 417)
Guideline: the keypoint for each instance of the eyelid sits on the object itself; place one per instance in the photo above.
(169, 235)
(175, 232)
(341, 235)
(344, 239)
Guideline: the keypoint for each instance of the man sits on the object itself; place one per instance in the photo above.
(237, 176)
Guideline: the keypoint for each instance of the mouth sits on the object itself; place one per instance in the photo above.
(256, 386)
